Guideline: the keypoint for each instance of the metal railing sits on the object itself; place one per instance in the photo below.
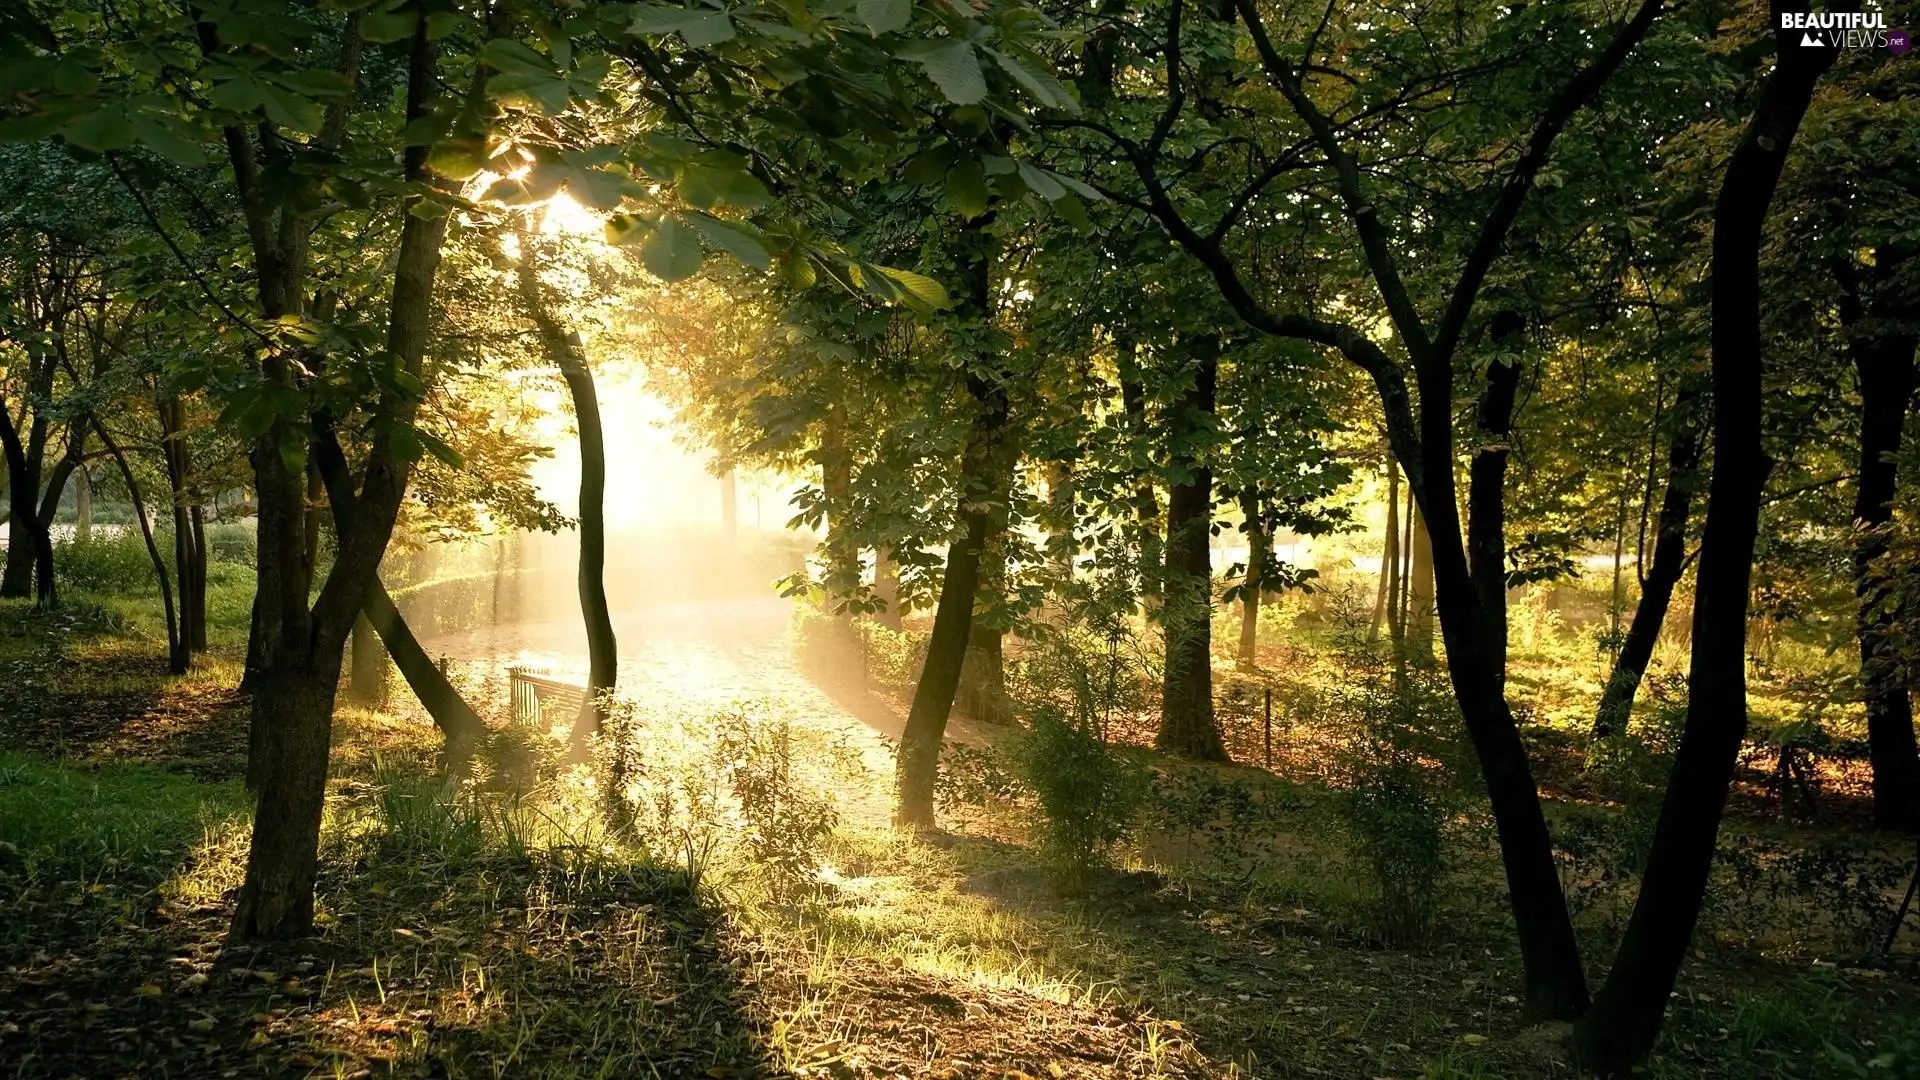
(534, 694)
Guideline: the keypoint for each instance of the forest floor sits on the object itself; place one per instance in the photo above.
(505, 936)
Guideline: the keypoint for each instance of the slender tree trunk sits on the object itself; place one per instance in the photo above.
(1386, 599)
(603, 654)
(82, 506)
(1146, 503)
(1420, 607)
(197, 527)
(367, 677)
(983, 673)
(1662, 575)
(380, 631)
(460, 727)
(729, 508)
(173, 451)
(176, 645)
(836, 484)
(1884, 360)
(1620, 1030)
(1259, 547)
(933, 696)
(1187, 723)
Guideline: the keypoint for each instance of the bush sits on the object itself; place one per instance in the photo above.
(108, 562)
(1087, 794)
(1397, 771)
(722, 791)
(231, 542)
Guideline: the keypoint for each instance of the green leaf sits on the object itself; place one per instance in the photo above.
(598, 188)
(967, 188)
(627, 229)
(104, 129)
(239, 94)
(1041, 182)
(919, 286)
(383, 27)
(1041, 84)
(707, 28)
(458, 159)
(506, 54)
(671, 253)
(290, 110)
(315, 83)
(706, 186)
(733, 239)
(928, 166)
(885, 16)
(1075, 212)
(163, 140)
(952, 65)
(699, 28)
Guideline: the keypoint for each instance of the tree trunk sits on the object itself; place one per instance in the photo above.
(983, 673)
(1187, 723)
(1884, 360)
(460, 727)
(926, 727)
(1662, 575)
(367, 678)
(294, 691)
(1419, 586)
(1487, 503)
(187, 563)
(1386, 597)
(1259, 547)
(1620, 1030)
(295, 718)
(603, 650)
(176, 644)
(23, 520)
(603, 653)
(1146, 503)
(82, 506)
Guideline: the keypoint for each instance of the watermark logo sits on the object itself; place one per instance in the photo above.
(1846, 30)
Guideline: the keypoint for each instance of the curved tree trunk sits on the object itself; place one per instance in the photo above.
(1620, 1030)
(1656, 590)
(563, 348)
(176, 645)
(1187, 724)
(918, 763)
(460, 727)
(933, 695)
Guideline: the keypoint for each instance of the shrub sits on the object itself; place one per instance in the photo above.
(1087, 795)
(109, 562)
(1398, 775)
(231, 542)
(723, 791)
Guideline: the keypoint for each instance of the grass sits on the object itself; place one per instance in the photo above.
(504, 930)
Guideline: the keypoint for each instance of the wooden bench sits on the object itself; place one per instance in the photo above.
(536, 695)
